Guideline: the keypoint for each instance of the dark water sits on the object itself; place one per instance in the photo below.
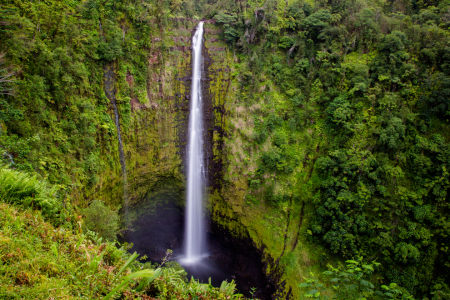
(158, 225)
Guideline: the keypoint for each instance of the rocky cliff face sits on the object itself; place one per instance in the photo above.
(154, 140)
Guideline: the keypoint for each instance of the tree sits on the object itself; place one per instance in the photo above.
(352, 282)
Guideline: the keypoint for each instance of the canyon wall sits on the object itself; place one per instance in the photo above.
(154, 143)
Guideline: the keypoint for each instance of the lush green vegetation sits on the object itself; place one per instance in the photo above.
(41, 261)
(58, 121)
(22, 189)
(352, 282)
(99, 218)
(354, 94)
(341, 107)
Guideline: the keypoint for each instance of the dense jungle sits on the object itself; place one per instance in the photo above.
(327, 141)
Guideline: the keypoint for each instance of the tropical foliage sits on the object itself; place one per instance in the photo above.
(353, 119)
(41, 261)
(347, 101)
(352, 282)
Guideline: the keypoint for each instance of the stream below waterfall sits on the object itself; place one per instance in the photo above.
(158, 224)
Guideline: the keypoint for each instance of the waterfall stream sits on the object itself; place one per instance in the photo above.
(194, 227)
(206, 250)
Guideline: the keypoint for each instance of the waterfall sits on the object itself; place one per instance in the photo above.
(9, 156)
(195, 232)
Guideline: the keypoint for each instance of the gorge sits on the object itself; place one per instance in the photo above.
(314, 133)
(204, 250)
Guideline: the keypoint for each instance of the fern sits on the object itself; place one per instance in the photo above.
(21, 188)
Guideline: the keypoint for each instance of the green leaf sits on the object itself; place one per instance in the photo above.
(351, 262)
(147, 280)
(366, 283)
(304, 285)
(129, 261)
(312, 292)
(127, 279)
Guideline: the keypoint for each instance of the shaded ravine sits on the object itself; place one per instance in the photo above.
(157, 221)
(156, 226)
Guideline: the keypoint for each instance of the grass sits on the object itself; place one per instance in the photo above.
(41, 261)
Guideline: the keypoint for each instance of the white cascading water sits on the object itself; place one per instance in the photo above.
(195, 232)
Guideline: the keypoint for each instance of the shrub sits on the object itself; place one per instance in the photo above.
(352, 282)
(255, 183)
(46, 262)
(102, 220)
(270, 160)
(171, 283)
(274, 199)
